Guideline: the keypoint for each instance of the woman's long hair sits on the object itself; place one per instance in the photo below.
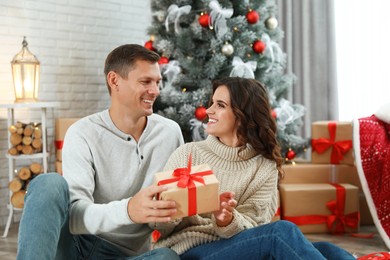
(255, 124)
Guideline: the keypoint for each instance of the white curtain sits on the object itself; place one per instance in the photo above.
(310, 46)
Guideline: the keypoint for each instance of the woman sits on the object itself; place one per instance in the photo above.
(242, 150)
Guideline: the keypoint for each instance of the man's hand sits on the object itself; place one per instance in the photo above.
(224, 215)
(143, 209)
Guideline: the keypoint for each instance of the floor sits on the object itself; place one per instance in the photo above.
(357, 246)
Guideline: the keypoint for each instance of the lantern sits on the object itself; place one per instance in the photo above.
(25, 72)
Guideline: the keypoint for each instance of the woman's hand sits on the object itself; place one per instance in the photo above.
(224, 215)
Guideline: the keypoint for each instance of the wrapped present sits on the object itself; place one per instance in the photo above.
(59, 167)
(194, 189)
(321, 208)
(325, 173)
(332, 142)
(62, 125)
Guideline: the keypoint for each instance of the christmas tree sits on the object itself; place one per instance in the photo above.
(200, 40)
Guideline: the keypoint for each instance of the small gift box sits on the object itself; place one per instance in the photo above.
(194, 189)
(332, 142)
(62, 125)
(321, 208)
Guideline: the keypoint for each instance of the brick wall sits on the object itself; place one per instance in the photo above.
(71, 40)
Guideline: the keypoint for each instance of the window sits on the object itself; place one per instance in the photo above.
(363, 56)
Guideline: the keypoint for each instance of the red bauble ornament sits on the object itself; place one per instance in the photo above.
(155, 236)
(204, 20)
(273, 113)
(163, 60)
(200, 113)
(290, 154)
(149, 45)
(252, 17)
(258, 46)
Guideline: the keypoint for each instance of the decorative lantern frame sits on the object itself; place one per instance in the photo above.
(25, 73)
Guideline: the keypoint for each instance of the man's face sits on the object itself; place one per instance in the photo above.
(138, 92)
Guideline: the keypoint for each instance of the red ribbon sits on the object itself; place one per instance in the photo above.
(339, 148)
(59, 144)
(185, 179)
(337, 221)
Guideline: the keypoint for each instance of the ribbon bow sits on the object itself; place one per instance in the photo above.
(337, 221)
(339, 148)
(273, 48)
(171, 70)
(174, 13)
(241, 69)
(218, 18)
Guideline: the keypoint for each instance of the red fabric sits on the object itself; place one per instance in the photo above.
(339, 148)
(375, 158)
(375, 256)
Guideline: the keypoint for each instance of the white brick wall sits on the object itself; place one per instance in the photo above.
(71, 39)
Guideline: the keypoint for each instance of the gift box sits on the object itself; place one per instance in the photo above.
(62, 125)
(194, 189)
(321, 207)
(59, 167)
(332, 142)
(325, 173)
(276, 217)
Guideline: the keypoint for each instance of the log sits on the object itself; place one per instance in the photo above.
(17, 199)
(15, 139)
(12, 129)
(27, 149)
(27, 140)
(28, 130)
(20, 124)
(37, 132)
(19, 148)
(24, 173)
(16, 184)
(19, 131)
(36, 168)
(37, 143)
(13, 151)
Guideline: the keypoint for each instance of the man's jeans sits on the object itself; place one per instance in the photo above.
(44, 230)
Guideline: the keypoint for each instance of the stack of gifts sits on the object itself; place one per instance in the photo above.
(325, 195)
(62, 125)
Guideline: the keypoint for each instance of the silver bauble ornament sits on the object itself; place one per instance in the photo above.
(271, 23)
(227, 49)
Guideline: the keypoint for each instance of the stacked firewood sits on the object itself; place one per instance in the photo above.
(18, 185)
(25, 138)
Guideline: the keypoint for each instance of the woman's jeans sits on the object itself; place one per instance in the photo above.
(44, 230)
(277, 240)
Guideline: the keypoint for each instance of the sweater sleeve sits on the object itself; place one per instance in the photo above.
(257, 205)
(86, 217)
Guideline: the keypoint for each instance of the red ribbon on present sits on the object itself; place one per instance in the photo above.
(185, 179)
(339, 148)
(337, 221)
(59, 144)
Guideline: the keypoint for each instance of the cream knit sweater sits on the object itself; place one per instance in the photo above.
(253, 179)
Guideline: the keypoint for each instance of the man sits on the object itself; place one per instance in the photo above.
(109, 159)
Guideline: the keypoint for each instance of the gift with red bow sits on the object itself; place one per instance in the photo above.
(195, 189)
(332, 142)
(321, 207)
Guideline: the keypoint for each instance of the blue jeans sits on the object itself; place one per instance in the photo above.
(44, 230)
(277, 240)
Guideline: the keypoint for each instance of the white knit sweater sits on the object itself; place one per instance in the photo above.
(252, 178)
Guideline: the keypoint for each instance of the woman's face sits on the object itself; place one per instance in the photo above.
(222, 121)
